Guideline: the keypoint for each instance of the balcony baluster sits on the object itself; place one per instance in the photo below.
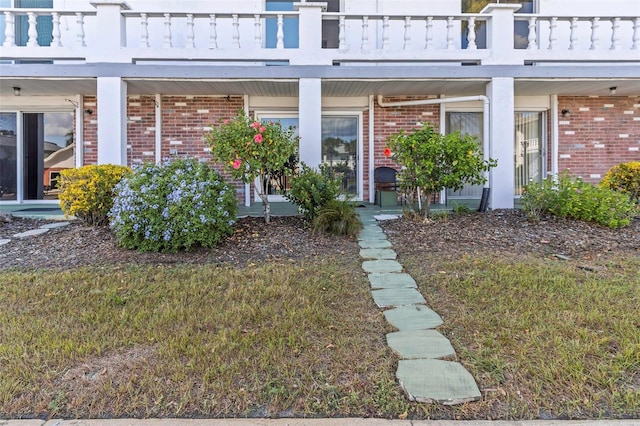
(615, 34)
(471, 33)
(595, 41)
(167, 31)
(190, 34)
(385, 33)
(532, 37)
(280, 33)
(236, 30)
(144, 30)
(342, 33)
(573, 35)
(213, 34)
(32, 32)
(428, 36)
(55, 32)
(636, 34)
(450, 44)
(407, 32)
(553, 24)
(80, 42)
(365, 34)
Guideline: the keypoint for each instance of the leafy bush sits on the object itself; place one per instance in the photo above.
(573, 198)
(87, 192)
(174, 205)
(625, 178)
(337, 217)
(432, 162)
(253, 152)
(313, 189)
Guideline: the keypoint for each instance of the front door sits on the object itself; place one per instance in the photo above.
(529, 152)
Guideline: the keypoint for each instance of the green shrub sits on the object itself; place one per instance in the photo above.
(87, 192)
(172, 206)
(625, 178)
(337, 217)
(312, 189)
(573, 198)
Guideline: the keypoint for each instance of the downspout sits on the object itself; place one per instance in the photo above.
(247, 187)
(486, 151)
(371, 148)
(554, 135)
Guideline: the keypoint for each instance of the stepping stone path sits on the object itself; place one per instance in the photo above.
(421, 373)
(33, 232)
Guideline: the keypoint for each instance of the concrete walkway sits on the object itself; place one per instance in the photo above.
(422, 372)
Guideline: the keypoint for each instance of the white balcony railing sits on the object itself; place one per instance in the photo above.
(99, 35)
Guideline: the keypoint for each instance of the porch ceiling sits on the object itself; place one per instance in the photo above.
(330, 87)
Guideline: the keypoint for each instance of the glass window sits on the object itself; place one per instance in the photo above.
(340, 149)
(8, 156)
(280, 184)
(465, 123)
(291, 35)
(528, 149)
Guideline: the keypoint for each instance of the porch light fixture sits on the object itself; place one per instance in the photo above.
(566, 113)
(16, 91)
(612, 90)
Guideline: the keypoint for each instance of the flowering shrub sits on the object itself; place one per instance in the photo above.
(432, 162)
(313, 189)
(174, 205)
(625, 178)
(251, 150)
(87, 192)
(579, 200)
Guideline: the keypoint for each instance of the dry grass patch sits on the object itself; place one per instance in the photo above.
(545, 338)
(286, 339)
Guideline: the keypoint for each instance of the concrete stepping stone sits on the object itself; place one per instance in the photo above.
(379, 254)
(433, 380)
(4, 241)
(380, 266)
(421, 344)
(418, 317)
(374, 244)
(383, 216)
(388, 297)
(371, 234)
(54, 225)
(31, 233)
(391, 280)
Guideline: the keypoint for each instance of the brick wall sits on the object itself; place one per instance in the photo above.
(90, 132)
(141, 130)
(599, 133)
(390, 120)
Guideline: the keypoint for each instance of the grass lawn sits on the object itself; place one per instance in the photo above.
(542, 338)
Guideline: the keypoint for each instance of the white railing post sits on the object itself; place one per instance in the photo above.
(500, 34)
(190, 33)
(532, 38)
(32, 32)
(428, 35)
(310, 38)
(144, 30)
(9, 30)
(257, 34)
(364, 46)
(407, 32)
(636, 34)
(573, 36)
(615, 34)
(213, 33)
(553, 24)
(235, 23)
(167, 31)
(595, 40)
(80, 30)
(110, 23)
(342, 33)
(55, 33)
(280, 32)
(385, 33)
(471, 34)
(450, 44)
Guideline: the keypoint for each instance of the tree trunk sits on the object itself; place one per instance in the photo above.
(266, 208)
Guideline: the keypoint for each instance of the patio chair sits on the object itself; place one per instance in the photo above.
(386, 185)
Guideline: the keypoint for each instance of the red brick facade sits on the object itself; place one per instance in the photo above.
(598, 133)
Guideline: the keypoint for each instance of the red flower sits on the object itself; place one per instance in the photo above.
(255, 124)
(387, 152)
(262, 129)
(257, 138)
(236, 164)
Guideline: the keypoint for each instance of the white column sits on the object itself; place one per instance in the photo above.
(112, 121)
(111, 23)
(310, 37)
(500, 34)
(501, 126)
(310, 117)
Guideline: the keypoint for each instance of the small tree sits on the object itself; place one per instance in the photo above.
(432, 162)
(253, 152)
